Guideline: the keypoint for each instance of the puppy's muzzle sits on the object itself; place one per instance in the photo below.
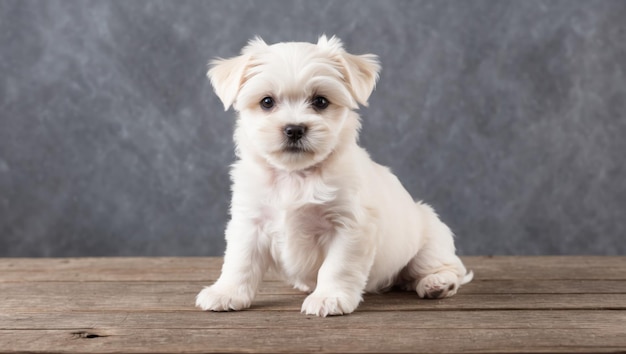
(294, 132)
(295, 138)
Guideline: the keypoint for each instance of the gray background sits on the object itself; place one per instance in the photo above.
(508, 117)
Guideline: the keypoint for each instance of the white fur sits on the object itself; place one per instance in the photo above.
(329, 219)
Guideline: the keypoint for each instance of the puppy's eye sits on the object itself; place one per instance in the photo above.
(320, 103)
(267, 103)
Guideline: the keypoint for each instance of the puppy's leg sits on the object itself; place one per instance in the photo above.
(342, 277)
(245, 261)
(436, 271)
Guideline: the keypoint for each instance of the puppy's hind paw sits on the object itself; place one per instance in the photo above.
(333, 304)
(436, 286)
(216, 298)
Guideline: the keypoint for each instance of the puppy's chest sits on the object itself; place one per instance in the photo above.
(291, 191)
(300, 205)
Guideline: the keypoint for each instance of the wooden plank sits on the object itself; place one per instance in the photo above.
(105, 296)
(109, 269)
(525, 286)
(548, 267)
(104, 305)
(280, 288)
(207, 268)
(563, 319)
(348, 340)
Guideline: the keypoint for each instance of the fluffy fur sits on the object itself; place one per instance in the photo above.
(318, 210)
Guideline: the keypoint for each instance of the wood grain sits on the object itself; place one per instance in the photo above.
(510, 319)
(289, 340)
(146, 305)
(207, 268)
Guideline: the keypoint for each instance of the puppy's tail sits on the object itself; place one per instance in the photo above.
(467, 277)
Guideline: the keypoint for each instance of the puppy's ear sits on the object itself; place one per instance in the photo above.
(360, 71)
(226, 76)
(361, 74)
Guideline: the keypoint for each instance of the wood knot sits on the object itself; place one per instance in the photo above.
(85, 334)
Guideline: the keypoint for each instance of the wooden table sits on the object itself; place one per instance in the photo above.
(146, 305)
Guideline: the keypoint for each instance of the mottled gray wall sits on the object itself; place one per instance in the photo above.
(508, 117)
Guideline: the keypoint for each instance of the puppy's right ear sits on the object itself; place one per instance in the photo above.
(226, 76)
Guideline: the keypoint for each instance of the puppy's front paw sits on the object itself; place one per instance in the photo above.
(221, 298)
(330, 304)
(437, 286)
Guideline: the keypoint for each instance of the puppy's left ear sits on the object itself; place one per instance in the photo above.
(226, 76)
(361, 74)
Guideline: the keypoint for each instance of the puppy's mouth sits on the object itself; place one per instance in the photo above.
(295, 148)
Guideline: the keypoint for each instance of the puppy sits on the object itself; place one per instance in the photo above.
(307, 201)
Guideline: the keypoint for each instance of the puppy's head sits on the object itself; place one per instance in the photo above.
(294, 99)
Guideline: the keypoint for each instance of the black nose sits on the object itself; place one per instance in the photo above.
(294, 132)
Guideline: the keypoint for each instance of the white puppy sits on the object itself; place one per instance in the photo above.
(307, 201)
